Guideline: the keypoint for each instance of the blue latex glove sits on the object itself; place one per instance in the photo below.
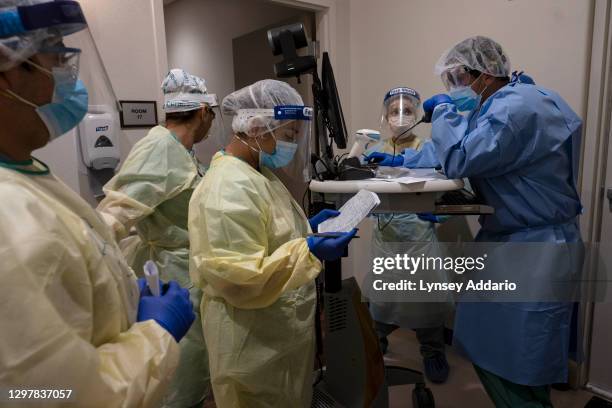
(385, 159)
(428, 217)
(172, 310)
(330, 249)
(143, 287)
(322, 216)
(431, 103)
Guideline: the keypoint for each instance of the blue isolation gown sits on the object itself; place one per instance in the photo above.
(521, 152)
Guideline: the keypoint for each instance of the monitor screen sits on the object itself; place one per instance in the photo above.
(332, 111)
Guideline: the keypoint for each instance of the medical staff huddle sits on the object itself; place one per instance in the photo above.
(235, 319)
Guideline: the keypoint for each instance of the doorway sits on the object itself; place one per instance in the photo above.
(225, 42)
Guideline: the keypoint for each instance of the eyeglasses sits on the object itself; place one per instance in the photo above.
(456, 77)
(58, 56)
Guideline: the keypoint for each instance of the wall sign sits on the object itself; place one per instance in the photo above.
(138, 114)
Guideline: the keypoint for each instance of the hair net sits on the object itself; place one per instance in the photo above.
(16, 48)
(185, 92)
(479, 53)
(264, 94)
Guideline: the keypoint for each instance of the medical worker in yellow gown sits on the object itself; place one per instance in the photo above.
(251, 255)
(72, 317)
(151, 192)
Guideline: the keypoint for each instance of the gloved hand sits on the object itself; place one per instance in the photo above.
(143, 287)
(322, 216)
(385, 159)
(428, 217)
(522, 78)
(329, 249)
(431, 103)
(173, 310)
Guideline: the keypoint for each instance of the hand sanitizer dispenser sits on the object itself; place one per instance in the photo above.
(98, 135)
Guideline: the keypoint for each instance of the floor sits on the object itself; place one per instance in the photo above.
(463, 388)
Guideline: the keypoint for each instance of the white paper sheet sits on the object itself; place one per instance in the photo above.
(416, 176)
(351, 213)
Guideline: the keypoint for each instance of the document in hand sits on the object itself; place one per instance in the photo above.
(351, 213)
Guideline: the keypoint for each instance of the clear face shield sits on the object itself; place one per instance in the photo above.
(290, 127)
(456, 77)
(53, 37)
(103, 106)
(216, 138)
(65, 61)
(399, 114)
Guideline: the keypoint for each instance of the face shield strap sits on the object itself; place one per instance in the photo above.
(281, 112)
(66, 15)
(401, 91)
(292, 112)
(182, 102)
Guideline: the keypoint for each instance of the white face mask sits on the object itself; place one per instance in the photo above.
(400, 124)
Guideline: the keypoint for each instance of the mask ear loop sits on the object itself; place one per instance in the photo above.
(246, 144)
(39, 67)
(480, 94)
(10, 94)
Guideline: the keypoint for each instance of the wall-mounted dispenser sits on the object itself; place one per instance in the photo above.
(98, 135)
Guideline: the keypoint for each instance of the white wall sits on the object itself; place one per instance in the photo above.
(131, 41)
(199, 35)
(397, 42)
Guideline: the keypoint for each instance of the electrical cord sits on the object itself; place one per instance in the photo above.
(304, 198)
(381, 229)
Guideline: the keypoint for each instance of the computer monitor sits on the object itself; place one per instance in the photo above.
(333, 116)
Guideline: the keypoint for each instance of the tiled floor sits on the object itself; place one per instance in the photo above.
(463, 388)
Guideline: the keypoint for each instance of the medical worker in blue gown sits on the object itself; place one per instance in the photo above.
(519, 145)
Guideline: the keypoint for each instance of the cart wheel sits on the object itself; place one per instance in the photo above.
(422, 397)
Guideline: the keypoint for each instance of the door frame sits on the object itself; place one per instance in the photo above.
(596, 139)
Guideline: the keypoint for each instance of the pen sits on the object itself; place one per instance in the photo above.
(152, 276)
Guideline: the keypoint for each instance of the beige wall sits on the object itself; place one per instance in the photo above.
(130, 38)
(199, 35)
(397, 42)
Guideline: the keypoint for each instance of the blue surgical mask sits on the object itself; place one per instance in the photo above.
(281, 157)
(68, 107)
(465, 98)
